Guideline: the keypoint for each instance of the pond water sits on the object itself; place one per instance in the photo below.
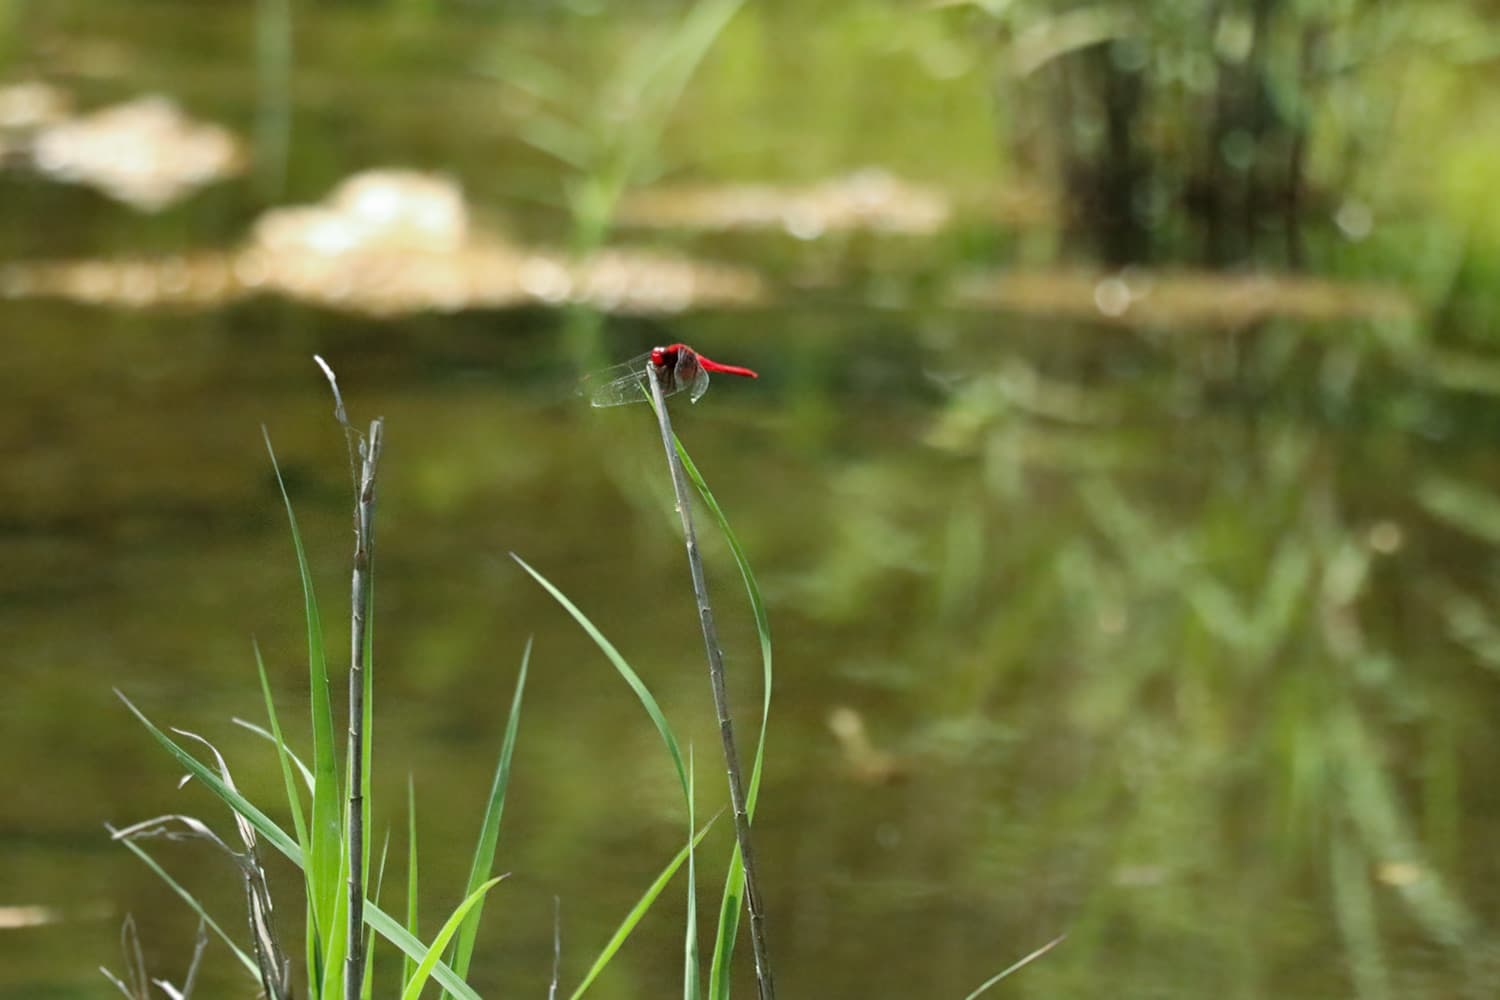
(1153, 608)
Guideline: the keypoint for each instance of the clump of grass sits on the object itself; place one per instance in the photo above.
(329, 809)
(330, 814)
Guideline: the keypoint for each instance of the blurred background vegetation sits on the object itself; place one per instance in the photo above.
(1120, 473)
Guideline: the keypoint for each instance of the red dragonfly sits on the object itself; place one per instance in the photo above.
(678, 366)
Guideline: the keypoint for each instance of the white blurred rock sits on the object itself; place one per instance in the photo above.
(146, 152)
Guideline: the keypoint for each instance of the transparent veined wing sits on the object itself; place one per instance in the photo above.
(617, 384)
(690, 374)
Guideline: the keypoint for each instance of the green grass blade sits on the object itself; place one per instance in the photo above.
(489, 830)
(409, 963)
(335, 942)
(196, 906)
(293, 796)
(325, 835)
(368, 730)
(623, 668)
(311, 945)
(757, 609)
(1017, 966)
(388, 928)
(692, 987)
(367, 987)
(730, 906)
(278, 838)
(430, 960)
(638, 911)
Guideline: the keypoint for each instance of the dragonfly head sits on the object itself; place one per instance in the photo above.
(669, 356)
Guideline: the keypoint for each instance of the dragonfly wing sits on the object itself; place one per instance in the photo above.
(626, 389)
(691, 375)
(617, 384)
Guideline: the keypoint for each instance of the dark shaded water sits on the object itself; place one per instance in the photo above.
(1177, 639)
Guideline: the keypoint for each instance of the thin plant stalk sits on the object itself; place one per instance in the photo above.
(753, 900)
(556, 946)
(359, 640)
(354, 962)
(1017, 966)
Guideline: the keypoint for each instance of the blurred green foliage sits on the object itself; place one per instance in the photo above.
(1220, 129)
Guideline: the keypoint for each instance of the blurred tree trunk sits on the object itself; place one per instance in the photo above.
(1156, 163)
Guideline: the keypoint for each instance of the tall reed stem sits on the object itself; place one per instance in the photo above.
(364, 552)
(721, 698)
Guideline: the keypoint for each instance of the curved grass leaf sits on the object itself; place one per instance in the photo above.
(1017, 966)
(278, 838)
(489, 830)
(263, 824)
(730, 905)
(450, 928)
(409, 964)
(325, 836)
(692, 988)
(638, 911)
(389, 928)
(622, 667)
(283, 755)
(654, 711)
(366, 987)
(335, 943)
